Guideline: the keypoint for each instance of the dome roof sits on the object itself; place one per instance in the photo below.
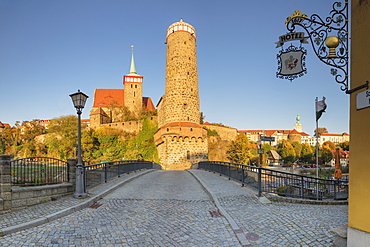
(180, 26)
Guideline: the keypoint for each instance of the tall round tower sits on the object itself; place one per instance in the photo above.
(181, 140)
(182, 97)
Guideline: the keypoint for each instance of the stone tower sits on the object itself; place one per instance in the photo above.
(180, 139)
(133, 93)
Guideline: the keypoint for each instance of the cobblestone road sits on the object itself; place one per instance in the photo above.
(170, 208)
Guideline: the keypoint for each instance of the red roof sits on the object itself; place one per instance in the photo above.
(148, 104)
(115, 97)
(185, 124)
(326, 134)
(108, 97)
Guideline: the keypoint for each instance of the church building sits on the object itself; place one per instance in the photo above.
(114, 105)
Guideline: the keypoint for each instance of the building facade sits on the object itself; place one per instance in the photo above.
(180, 139)
(359, 183)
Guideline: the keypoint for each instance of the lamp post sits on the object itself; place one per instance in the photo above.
(79, 100)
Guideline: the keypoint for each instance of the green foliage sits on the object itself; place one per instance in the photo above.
(326, 155)
(240, 150)
(20, 139)
(297, 149)
(61, 140)
(344, 146)
(143, 146)
(329, 144)
(286, 150)
(107, 143)
(212, 133)
(307, 153)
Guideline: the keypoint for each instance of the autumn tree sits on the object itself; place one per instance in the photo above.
(344, 145)
(329, 144)
(61, 139)
(286, 150)
(320, 131)
(239, 150)
(326, 155)
(307, 153)
(297, 149)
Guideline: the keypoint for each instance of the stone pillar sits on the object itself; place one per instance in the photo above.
(72, 163)
(5, 182)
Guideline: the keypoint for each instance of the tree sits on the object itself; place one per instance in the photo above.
(29, 131)
(61, 139)
(286, 150)
(110, 144)
(297, 149)
(326, 155)
(307, 153)
(239, 150)
(329, 144)
(344, 145)
(320, 131)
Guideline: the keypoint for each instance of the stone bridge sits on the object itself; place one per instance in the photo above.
(171, 208)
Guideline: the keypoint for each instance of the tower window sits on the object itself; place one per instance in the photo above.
(191, 129)
(188, 155)
(135, 86)
(185, 105)
(134, 94)
(131, 85)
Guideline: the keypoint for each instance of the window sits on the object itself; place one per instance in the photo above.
(188, 155)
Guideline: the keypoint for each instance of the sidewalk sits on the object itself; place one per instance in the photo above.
(48, 211)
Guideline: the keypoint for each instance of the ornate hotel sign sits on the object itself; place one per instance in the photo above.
(291, 36)
(329, 39)
(291, 63)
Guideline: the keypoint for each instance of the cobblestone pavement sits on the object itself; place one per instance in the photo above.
(170, 208)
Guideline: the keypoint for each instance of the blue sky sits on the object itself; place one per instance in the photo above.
(50, 48)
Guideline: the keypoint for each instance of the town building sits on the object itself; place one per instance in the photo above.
(294, 135)
(359, 183)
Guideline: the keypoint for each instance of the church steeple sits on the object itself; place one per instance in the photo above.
(133, 93)
(132, 66)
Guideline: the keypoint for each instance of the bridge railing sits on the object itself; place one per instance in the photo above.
(281, 183)
(102, 172)
(38, 171)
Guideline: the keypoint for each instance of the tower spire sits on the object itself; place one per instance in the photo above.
(132, 66)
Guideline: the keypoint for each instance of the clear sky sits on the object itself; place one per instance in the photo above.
(50, 49)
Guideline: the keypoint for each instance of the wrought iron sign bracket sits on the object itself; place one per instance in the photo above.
(366, 85)
(329, 39)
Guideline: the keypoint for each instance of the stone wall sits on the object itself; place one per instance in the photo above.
(181, 146)
(129, 126)
(225, 133)
(27, 196)
(15, 198)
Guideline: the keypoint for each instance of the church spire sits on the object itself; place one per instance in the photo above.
(132, 66)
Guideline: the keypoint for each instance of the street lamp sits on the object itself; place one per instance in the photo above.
(79, 100)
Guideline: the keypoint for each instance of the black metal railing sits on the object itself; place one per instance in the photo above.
(102, 172)
(38, 171)
(281, 183)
